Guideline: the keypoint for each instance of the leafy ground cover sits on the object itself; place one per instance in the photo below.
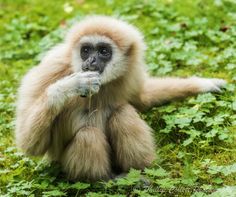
(195, 138)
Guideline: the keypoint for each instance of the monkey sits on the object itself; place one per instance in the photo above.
(79, 106)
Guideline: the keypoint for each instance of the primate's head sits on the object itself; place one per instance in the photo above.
(105, 45)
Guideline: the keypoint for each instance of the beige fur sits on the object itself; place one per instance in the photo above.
(91, 135)
(132, 139)
(91, 159)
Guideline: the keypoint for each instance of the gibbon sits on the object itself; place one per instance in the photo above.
(79, 105)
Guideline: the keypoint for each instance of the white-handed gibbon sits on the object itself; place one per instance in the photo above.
(78, 106)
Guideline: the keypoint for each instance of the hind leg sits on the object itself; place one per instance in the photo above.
(131, 139)
(87, 156)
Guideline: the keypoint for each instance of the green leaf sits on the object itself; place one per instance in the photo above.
(160, 172)
(228, 191)
(217, 180)
(188, 141)
(131, 178)
(80, 186)
(234, 105)
(199, 194)
(167, 182)
(182, 121)
(226, 170)
(54, 193)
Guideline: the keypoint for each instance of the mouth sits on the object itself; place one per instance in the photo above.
(93, 69)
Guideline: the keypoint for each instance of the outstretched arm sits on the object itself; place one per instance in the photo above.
(157, 91)
(42, 97)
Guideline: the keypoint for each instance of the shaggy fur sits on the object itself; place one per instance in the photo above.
(91, 136)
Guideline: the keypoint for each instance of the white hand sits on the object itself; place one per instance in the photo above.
(83, 84)
(209, 84)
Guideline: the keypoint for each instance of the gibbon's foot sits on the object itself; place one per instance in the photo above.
(209, 84)
(118, 176)
(144, 181)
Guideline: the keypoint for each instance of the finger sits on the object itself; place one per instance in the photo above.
(89, 74)
(219, 82)
(95, 81)
(95, 88)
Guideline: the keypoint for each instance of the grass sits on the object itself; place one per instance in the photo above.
(195, 138)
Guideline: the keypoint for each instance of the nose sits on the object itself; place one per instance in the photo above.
(93, 66)
(94, 61)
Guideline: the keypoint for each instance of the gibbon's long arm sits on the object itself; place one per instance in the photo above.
(35, 114)
(157, 91)
(33, 130)
(43, 95)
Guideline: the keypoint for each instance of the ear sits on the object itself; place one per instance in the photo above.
(130, 50)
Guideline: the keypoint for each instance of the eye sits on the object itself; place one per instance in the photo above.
(85, 49)
(104, 51)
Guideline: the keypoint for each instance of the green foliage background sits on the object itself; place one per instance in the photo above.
(196, 138)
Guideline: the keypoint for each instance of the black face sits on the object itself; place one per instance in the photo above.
(95, 57)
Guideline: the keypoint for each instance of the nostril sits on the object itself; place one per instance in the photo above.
(85, 67)
(93, 61)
